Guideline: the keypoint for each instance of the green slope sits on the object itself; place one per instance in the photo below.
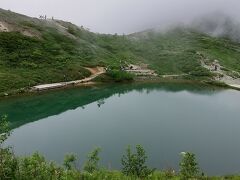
(56, 51)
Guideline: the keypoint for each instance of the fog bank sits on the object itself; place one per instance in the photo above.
(123, 16)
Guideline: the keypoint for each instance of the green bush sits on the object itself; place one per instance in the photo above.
(4, 129)
(8, 164)
(188, 166)
(69, 161)
(8, 161)
(120, 76)
(92, 164)
(134, 163)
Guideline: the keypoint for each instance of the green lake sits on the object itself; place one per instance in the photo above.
(165, 119)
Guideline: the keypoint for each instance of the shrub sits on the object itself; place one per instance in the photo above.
(134, 164)
(169, 173)
(188, 166)
(120, 76)
(69, 161)
(8, 161)
(91, 165)
(8, 164)
(4, 129)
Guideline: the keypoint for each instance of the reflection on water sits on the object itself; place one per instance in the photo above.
(166, 119)
(27, 109)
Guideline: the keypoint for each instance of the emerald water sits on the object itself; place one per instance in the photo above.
(166, 119)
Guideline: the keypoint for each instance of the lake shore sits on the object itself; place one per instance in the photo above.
(105, 81)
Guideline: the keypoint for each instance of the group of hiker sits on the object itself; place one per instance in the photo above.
(44, 17)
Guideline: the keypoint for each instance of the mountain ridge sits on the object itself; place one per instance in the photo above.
(37, 51)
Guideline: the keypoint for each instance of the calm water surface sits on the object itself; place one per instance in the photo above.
(166, 119)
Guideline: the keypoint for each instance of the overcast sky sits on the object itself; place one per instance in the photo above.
(122, 16)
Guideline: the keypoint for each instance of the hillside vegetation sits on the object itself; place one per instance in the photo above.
(34, 51)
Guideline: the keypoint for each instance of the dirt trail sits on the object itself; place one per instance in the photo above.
(3, 27)
(143, 70)
(95, 72)
(222, 75)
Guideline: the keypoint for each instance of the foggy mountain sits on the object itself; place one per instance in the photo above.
(218, 25)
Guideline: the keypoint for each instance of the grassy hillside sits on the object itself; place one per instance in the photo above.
(35, 51)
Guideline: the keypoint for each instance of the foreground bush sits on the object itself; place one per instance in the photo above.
(92, 163)
(188, 166)
(134, 163)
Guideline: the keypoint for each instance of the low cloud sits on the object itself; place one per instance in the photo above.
(124, 16)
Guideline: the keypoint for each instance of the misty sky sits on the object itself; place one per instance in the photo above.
(122, 16)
